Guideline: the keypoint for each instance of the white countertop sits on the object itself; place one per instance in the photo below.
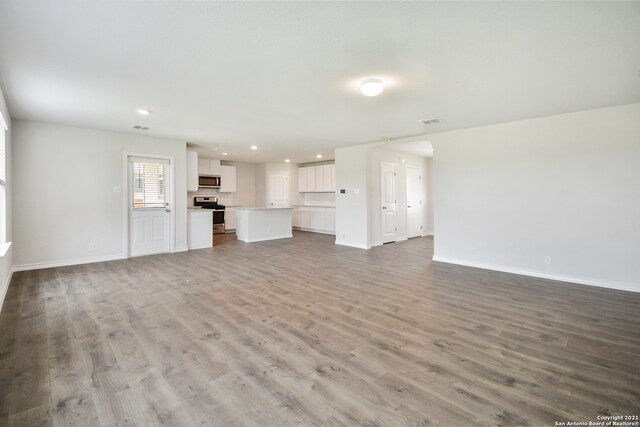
(262, 209)
(199, 210)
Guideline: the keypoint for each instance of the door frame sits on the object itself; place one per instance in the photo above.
(419, 169)
(395, 212)
(127, 195)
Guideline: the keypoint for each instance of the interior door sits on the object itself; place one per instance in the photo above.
(278, 189)
(388, 201)
(149, 207)
(414, 201)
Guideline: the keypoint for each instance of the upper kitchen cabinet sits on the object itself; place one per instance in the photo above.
(228, 179)
(317, 179)
(209, 167)
(192, 171)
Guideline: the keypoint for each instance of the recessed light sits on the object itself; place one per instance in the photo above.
(224, 154)
(372, 87)
(143, 111)
(318, 156)
(254, 147)
(287, 160)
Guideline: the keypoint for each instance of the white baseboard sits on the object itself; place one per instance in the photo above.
(6, 287)
(312, 230)
(374, 244)
(64, 263)
(402, 239)
(621, 286)
(264, 239)
(181, 249)
(351, 244)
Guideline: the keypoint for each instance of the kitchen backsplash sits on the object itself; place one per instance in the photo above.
(227, 199)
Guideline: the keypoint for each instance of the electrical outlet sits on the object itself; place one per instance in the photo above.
(92, 246)
(547, 259)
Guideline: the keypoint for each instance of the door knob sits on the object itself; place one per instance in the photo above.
(384, 207)
(167, 210)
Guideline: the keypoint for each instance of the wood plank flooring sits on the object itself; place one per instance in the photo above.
(303, 332)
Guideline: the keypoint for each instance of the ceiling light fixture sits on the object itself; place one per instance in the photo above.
(318, 156)
(254, 147)
(143, 112)
(371, 87)
(287, 160)
(224, 154)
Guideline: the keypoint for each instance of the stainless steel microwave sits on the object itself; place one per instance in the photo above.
(209, 181)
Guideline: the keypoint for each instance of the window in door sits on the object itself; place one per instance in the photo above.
(148, 185)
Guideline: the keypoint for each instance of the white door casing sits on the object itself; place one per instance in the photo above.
(149, 192)
(278, 189)
(414, 201)
(388, 201)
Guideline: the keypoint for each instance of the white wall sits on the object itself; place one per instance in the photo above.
(565, 186)
(377, 156)
(262, 182)
(6, 261)
(63, 192)
(352, 213)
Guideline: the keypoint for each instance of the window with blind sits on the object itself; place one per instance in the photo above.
(3, 183)
(148, 182)
(3, 128)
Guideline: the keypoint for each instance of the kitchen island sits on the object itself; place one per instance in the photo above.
(260, 224)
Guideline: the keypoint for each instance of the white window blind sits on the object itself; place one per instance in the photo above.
(148, 182)
(3, 128)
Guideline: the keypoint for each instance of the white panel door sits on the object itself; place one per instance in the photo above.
(414, 201)
(388, 201)
(149, 207)
(279, 189)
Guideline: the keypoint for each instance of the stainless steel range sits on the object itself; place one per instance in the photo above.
(211, 202)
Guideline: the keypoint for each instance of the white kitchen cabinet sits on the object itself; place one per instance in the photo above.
(192, 171)
(326, 175)
(230, 219)
(304, 217)
(199, 228)
(295, 217)
(210, 167)
(317, 179)
(311, 179)
(302, 180)
(317, 218)
(333, 178)
(228, 182)
(330, 220)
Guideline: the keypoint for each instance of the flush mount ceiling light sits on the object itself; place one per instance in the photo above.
(254, 147)
(143, 112)
(318, 156)
(224, 154)
(287, 160)
(371, 87)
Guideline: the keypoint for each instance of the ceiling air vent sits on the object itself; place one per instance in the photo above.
(141, 127)
(429, 121)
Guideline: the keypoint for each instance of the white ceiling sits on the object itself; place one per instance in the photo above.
(284, 75)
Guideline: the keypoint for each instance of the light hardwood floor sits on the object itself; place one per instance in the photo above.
(303, 332)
